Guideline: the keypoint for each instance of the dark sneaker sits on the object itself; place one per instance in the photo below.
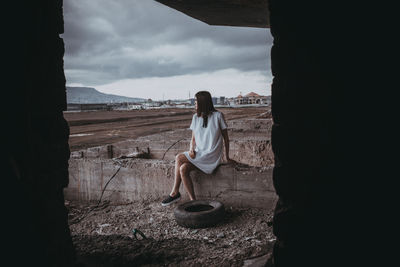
(169, 200)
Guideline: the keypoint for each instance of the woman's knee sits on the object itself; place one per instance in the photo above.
(180, 158)
(184, 168)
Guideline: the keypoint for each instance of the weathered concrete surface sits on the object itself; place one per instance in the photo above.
(140, 179)
(249, 144)
(244, 13)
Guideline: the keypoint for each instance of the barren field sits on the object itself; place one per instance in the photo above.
(96, 128)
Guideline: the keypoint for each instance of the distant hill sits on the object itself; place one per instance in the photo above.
(88, 95)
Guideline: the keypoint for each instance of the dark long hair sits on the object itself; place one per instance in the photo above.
(204, 106)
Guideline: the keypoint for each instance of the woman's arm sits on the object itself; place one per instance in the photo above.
(226, 142)
(192, 153)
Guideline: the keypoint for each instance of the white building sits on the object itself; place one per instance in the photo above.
(250, 98)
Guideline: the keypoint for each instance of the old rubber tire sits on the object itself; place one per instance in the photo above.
(199, 213)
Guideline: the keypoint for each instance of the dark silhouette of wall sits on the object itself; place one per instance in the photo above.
(326, 171)
(35, 137)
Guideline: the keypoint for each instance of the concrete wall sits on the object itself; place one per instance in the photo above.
(143, 179)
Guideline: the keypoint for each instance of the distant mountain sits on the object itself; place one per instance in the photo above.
(88, 95)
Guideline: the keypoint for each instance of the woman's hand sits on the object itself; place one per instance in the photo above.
(192, 154)
(192, 147)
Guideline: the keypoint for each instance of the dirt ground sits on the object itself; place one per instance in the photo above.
(104, 236)
(96, 128)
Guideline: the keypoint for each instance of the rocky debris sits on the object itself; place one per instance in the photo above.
(220, 235)
(105, 238)
(259, 261)
(265, 115)
(138, 154)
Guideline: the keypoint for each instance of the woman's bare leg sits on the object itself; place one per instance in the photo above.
(187, 181)
(179, 160)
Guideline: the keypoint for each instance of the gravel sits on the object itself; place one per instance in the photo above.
(103, 236)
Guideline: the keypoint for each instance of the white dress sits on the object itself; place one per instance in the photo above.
(209, 141)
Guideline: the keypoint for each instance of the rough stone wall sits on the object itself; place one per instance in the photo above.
(300, 137)
(323, 166)
(37, 150)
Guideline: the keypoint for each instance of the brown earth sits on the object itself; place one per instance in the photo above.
(104, 236)
(96, 128)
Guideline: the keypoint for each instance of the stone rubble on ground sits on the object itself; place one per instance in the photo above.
(243, 234)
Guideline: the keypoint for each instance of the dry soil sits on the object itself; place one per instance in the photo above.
(104, 236)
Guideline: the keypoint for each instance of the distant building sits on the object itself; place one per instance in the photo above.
(215, 100)
(250, 98)
(135, 106)
(240, 100)
(152, 104)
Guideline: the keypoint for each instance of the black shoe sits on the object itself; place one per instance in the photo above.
(169, 200)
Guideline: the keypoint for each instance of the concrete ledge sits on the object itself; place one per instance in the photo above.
(143, 179)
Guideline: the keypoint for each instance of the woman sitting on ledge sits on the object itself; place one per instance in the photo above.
(208, 129)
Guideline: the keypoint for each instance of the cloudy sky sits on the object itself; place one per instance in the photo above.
(141, 48)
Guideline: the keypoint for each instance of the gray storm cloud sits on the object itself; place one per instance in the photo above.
(108, 41)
